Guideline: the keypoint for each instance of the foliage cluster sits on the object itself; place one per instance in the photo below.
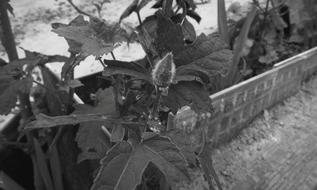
(148, 126)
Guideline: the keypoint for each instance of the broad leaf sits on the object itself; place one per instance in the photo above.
(123, 166)
(90, 136)
(169, 37)
(203, 46)
(132, 69)
(188, 94)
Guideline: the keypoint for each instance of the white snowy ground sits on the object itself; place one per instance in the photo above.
(35, 30)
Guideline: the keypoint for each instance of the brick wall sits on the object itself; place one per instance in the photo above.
(236, 106)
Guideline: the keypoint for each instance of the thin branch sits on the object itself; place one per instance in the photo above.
(78, 9)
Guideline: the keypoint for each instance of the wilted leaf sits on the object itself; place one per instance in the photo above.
(123, 166)
(94, 37)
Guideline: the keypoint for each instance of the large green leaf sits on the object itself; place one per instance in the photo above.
(188, 93)
(202, 47)
(132, 69)
(90, 137)
(169, 36)
(123, 166)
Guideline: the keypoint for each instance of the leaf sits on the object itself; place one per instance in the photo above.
(194, 15)
(238, 47)
(42, 165)
(117, 133)
(74, 47)
(92, 141)
(207, 166)
(130, 9)
(203, 46)
(126, 68)
(94, 38)
(70, 84)
(43, 121)
(90, 136)
(188, 94)
(123, 166)
(9, 94)
(188, 30)
(222, 21)
(169, 37)
(208, 68)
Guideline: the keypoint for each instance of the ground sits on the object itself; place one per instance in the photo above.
(277, 151)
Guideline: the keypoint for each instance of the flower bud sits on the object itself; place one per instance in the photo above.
(164, 71)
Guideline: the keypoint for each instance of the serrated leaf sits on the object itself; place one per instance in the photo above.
(122, 167)
(94, 38)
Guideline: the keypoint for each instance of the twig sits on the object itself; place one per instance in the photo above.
(79, 10)
(112, 55)
(139, 18)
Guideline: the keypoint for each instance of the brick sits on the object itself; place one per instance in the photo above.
(246, 112)
(228, 105)
(260, 89)
(250, 94)
(240, 98)
(224, 123)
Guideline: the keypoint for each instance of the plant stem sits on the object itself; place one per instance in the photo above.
(78, 9)
(139, 18)
(8, 38)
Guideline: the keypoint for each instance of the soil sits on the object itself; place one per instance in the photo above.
(277, 151)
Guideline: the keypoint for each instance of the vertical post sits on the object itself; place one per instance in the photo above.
(7, 38)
